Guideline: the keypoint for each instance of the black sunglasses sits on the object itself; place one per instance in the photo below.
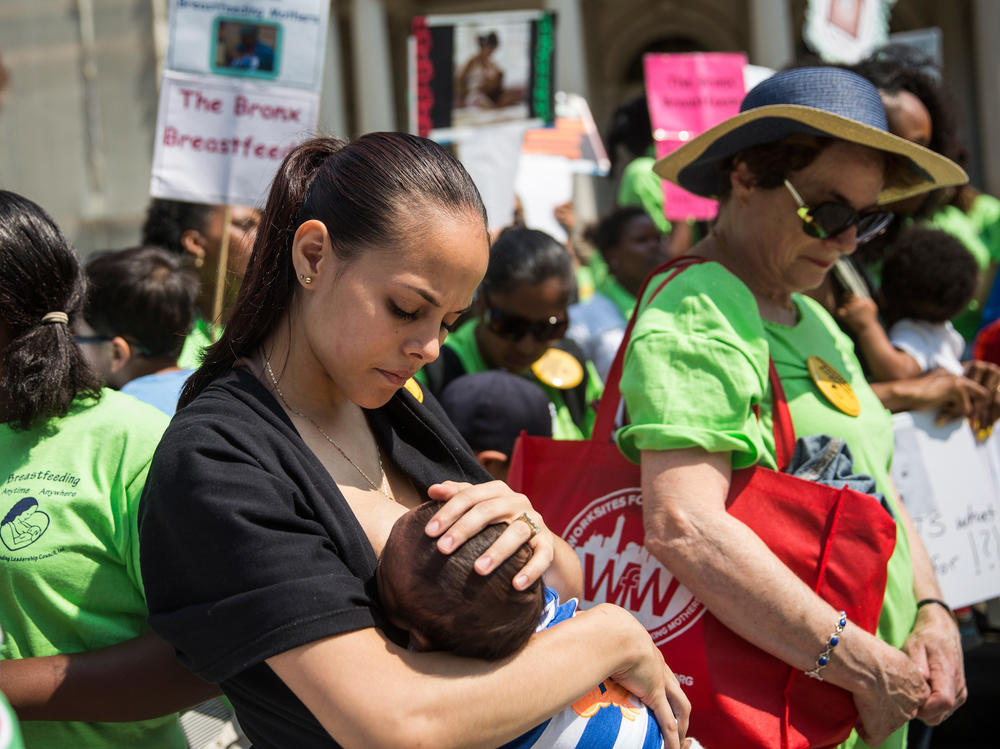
(831, 218)
(514, 327)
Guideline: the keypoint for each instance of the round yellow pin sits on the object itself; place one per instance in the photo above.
(414, 389)
(833, 386)
(559, 369)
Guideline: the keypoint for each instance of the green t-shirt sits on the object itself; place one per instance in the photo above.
(69, 557)
(696, 366)
(641, 186)
(463, 343)
(618, 295)
(202, 335)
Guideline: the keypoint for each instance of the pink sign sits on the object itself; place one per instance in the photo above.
(688, 94)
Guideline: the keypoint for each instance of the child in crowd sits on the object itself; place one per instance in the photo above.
(927, 279)
(490, 409)
(140, 307)
(446, 605)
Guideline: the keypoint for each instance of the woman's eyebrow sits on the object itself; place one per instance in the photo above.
(843, 199)
(424, 293)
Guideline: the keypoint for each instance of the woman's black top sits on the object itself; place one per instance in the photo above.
(248, 548)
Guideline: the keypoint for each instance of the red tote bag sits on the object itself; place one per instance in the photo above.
(838, 541)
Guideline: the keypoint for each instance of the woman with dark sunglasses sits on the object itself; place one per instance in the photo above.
(521, 317)
(800, 175)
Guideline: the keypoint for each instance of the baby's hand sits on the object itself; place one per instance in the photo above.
(858, 313)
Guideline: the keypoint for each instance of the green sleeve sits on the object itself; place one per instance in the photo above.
(133, 492)
(696, 369)
(640, 186)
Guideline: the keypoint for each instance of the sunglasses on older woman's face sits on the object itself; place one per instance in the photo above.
(831, 218)
(514, 327)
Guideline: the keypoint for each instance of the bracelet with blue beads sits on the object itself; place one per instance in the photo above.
(824, 657)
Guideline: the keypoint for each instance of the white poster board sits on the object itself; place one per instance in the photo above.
(240, 90)
(951, 486)
(221, 141)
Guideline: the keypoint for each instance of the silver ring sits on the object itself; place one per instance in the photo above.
(531, 524)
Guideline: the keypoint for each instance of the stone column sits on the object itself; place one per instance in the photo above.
(571, 53)
(333, 101)
(986, 21)
(373, 94)
(772, 42)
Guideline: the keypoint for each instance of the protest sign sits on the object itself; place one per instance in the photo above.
(846, 30)
(241, 88)
(951, 485)
(276, 41)
(471, 70)
(687, 95)
(573, 137)
(221, 141)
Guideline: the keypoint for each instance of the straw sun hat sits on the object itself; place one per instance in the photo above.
(815, 101)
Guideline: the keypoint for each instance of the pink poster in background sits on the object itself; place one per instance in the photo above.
(688, 94)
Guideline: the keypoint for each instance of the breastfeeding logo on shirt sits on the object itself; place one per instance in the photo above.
(607, 536)
(23, 524)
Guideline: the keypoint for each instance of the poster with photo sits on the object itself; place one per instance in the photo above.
(273, 41)
(473, 70)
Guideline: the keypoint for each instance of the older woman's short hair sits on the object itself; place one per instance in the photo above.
(771, 163)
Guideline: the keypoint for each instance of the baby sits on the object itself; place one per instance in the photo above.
(446, 605)
(927, 279)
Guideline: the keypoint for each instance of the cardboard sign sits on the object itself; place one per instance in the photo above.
(951, 486)
(221, 141)
(472, 70)
(688, 94)
(275, 41)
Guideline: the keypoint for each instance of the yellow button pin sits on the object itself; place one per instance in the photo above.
(833, 386)
(559, 369)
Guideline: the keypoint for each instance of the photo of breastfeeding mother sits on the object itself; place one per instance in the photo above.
(799, 174)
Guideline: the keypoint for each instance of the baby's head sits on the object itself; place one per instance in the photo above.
(444, 603)
(928, 275)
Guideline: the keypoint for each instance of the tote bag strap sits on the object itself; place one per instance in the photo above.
(784, 431)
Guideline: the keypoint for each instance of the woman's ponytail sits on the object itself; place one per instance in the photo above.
(42, 288)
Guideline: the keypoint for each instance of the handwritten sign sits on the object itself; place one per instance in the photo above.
(221, 141)
(951, 486)
(241, 89)
(688, 94)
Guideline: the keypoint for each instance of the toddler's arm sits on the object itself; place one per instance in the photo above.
(885, 361)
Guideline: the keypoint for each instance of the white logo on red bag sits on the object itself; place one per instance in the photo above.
(607, 535)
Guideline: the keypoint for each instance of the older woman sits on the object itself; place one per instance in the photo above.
(799, 174)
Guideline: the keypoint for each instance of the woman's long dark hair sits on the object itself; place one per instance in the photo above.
(42, 369)
(370, 192)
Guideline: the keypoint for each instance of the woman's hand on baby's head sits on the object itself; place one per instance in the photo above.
(468, 508)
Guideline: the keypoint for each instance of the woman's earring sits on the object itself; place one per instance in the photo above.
(304, 277)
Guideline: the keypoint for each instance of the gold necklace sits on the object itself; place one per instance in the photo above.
(383, 480)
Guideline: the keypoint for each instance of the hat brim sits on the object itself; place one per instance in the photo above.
(694, 166)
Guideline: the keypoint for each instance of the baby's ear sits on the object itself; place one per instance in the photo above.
(418, 642)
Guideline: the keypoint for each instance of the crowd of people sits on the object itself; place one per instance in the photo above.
(301, 503)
